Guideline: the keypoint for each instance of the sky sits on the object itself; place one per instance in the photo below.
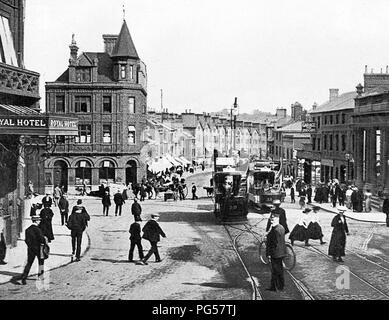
(204, 53)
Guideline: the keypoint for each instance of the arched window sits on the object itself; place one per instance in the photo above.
(83, 172)
(107, 172)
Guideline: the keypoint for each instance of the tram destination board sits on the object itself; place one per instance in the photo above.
(308, 127)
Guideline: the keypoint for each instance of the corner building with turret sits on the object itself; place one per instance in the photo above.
(107, 92)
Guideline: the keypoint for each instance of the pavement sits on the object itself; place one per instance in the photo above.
(373, 216)
(60, 249)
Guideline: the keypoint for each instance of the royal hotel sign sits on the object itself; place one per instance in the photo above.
(38, 125)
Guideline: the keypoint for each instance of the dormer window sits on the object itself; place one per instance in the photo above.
(83, 75)
(123, 70)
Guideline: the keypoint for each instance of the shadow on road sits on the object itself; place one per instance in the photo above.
(175, 216)
(110, 260)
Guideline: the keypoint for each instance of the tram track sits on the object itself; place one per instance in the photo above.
(304, 291)
(347, 268)
(256, 295)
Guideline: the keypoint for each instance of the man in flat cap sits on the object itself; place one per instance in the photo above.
(152, 232)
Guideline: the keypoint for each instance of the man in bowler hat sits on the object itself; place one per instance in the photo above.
(152, 232)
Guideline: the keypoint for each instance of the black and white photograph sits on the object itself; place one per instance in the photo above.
(204, 151)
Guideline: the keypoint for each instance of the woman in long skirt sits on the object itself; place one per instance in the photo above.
(300, 231)
(338, 238)
(314, 228)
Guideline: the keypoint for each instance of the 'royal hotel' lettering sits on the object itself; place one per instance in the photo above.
(23, 123)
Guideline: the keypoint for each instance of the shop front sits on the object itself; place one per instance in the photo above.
(26, 139)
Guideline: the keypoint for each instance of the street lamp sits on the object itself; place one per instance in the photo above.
(234, 114)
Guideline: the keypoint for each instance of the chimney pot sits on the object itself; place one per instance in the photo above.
(365, 68)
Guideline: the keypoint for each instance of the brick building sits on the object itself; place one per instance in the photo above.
(107, 92)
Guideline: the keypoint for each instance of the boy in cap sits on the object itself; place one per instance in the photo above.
(152, 232)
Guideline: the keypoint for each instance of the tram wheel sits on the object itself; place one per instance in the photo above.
(290, 258)
(262, 253)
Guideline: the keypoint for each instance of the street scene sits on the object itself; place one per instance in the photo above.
(121, 182)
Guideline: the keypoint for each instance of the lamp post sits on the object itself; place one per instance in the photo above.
(234, 114)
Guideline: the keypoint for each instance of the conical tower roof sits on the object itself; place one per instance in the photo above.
(124, 45)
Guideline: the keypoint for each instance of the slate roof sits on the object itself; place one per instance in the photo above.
(124, 45)
(343, 102)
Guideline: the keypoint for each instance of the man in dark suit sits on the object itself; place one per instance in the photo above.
(309, 194)
(77, 223)
(136, 240)
(152, 232)
(63, 206)
(106, 201)
(119, 201)
(47, 201)
(136, 210)
(277, 209)
(34, 240)
(276, 251)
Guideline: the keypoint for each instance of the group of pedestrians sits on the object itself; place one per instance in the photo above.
(151, 232)
(40, 234)
(308, 227)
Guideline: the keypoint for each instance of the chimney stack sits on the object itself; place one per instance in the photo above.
(359, 89)
(109, 42)
(334, 93)
(365, 68)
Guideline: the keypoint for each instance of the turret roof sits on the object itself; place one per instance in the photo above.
(124, 45)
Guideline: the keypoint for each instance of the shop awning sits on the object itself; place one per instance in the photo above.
(160, 165)
(21, 120)
(185, 161)
(173, 161)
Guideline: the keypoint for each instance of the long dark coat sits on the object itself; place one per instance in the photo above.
(34, 239)
(152, 231)
(338, 237)
(106, 201)
(275, 242)
(45, 225)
